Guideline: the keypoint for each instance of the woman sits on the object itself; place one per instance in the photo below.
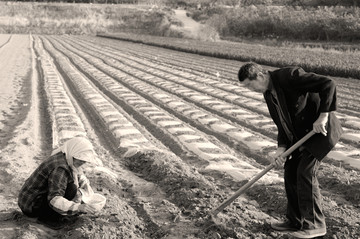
(51, 193)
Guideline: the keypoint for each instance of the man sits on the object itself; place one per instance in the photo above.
(299, 102)
(51, 193)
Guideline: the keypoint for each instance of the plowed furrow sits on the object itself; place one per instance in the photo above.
(242, 98)
(121, 128)
(174, 106)
(352, 138)
(233, 89)
(206, 65)
(192, 140)
(153, 230)
(348, 105)
(184, 110)
(67, 123)
(185, 186)
(226, 110)
(185, 61)
(174, 143)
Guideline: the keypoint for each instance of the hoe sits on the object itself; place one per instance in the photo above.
(258, 176)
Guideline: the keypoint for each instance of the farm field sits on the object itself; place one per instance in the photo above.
(333, 59)
(176, 135)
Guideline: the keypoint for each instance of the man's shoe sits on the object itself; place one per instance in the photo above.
(309, 233)
(285, 226)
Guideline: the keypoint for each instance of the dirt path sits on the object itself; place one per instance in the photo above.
(22, 142)
(15, 82)
(190, 25)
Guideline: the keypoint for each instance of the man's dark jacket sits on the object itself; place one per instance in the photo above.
(301, 97)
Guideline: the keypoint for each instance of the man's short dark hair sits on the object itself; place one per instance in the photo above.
(249, 71)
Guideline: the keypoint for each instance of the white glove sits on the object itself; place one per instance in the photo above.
(83, 180)
(319, 125)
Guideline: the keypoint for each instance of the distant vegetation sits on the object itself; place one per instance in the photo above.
(300, 20)
(233, 3)
(91, 1)
(304, 20)
(68, 18)
(325, 23)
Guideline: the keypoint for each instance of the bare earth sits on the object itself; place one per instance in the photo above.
(172, 132)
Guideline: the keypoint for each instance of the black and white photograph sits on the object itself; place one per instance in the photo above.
(179, 119)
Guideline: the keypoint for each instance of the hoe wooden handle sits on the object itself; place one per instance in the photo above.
(262, 173)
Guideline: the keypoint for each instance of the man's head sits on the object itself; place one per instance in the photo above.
(254, 77)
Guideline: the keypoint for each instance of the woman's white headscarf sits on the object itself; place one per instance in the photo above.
(79, 148)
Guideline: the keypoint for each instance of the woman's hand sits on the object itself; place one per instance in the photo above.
(85, 208)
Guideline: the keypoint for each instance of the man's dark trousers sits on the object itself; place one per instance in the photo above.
(304, 208)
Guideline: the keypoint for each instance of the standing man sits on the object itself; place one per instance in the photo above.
(299, 102)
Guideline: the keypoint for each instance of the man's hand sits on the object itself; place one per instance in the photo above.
(277, 160)
(319, 125)
(85, 208)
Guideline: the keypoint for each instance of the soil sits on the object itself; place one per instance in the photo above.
(169, 156)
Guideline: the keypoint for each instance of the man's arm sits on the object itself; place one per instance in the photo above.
(281, 137)
(310, 82)
(325, 87)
